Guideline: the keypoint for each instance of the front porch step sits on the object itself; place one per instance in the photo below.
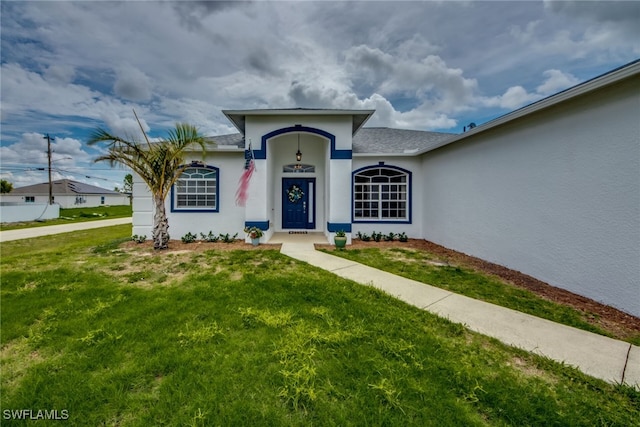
(310, 237)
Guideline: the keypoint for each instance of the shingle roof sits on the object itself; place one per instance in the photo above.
(395, 141)
(370, 140)
(235, 139)
(62, 187)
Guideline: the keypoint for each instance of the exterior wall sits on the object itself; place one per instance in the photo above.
(142, 217)
(264, 201)
(229, 218)
(10, 212)
(555, 194)
(411, 164)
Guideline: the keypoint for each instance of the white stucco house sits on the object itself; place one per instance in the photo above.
(67, 193)
(551, 189)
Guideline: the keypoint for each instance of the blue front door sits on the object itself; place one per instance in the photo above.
(298, 203)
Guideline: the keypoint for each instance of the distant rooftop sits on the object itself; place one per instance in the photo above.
(62, 187)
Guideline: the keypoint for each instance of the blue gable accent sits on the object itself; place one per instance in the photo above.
(332, 227)
(335, 154)
(262, 225)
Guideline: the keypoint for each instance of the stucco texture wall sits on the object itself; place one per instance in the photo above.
(555, 194)
(229, 218)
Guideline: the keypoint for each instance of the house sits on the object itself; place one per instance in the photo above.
(551, 189)
(66, 193)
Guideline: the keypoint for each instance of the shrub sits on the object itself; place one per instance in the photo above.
(389, 237)
(403, 237)
(363, 236)
(139, 239)
(376, 236)
(189, 238)
(226, 238)
(211, 238)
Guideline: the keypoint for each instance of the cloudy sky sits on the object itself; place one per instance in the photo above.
(68, 67)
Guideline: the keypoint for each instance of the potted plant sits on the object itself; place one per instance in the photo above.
(340, 239)
(254, 234)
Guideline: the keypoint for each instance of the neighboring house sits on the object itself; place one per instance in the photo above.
(67, 194)
(551, 189)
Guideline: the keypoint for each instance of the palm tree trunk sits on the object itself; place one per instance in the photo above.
(160, 225)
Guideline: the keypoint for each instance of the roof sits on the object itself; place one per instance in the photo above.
(382, 140)
(63, 187)
(238, 117)
(228, 141)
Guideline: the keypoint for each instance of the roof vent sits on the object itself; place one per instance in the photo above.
(468, 127)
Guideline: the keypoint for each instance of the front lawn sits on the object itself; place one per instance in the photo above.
(428, 268)
(74, 215)
(124, 336)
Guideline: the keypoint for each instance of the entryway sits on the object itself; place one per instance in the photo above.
(298, 203)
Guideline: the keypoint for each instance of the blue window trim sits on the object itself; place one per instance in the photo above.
(261, 154)
(409, 198)
(262, 225)
(332, 227)
(187, 210)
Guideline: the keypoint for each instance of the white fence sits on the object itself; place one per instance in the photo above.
(16, 212)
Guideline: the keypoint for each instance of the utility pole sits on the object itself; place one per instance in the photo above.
(49, 139)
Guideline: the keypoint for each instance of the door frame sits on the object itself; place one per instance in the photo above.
(311, 201)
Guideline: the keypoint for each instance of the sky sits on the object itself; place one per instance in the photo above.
(70, 67)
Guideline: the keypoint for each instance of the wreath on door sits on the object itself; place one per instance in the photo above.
(295, 193)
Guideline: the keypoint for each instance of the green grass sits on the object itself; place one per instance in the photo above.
(419, 266)
(132, 338)
(68, 216)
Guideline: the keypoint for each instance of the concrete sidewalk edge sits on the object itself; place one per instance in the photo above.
(601, 357)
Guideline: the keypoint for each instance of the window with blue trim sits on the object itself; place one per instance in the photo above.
(381, 194)
(196, 189)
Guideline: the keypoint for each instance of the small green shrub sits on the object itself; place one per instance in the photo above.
(403, 237)
(376, 236)
(363, 236)
(389, 237)
(139, 239)
(226, 238)
(211, 238)
(189, 238)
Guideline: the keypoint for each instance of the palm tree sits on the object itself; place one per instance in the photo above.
(159, 164)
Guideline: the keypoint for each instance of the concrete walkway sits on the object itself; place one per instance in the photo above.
(27, 233)
(601, 357)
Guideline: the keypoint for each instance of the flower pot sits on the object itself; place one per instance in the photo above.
(255, 241)
(340, 241)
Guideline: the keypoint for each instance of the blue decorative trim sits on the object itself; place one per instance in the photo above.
(262, 225)
(188, 210)
(332, 227)
(381, 221)
(261, 154)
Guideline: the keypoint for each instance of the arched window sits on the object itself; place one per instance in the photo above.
(196, 190)
(381, 193)
(299, 168)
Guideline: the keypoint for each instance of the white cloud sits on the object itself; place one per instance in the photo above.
(517, 96)
(32, 150)
(556, 81)
(425, 65)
